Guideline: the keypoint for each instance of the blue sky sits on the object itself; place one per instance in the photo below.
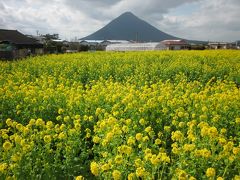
(213, 20)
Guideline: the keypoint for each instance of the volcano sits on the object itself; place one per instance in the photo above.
(129, 27)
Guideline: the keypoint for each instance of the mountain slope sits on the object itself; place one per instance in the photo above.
(129, 27)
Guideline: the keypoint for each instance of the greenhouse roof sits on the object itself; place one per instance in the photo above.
(136, 46)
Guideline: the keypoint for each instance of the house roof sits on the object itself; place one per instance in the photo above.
(218, 43)
(174, 42)
(116, 41)
(15, 37)
(92, 41)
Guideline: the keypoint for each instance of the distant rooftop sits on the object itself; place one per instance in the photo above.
(15, 37)
(174, 42)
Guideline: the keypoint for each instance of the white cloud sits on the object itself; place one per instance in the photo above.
(215, 20)
(211, 20)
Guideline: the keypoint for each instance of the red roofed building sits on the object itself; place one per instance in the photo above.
(176, 44)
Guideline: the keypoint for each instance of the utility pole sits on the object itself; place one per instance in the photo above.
(136, 37)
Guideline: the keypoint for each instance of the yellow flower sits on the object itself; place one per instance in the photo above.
(222, 141)
(118, 159)
(204, 131)
(5, 136)
(98, 111)
(128, 121)
(212, 132)
(124, 149)
(91, 118)
(60, 111)
(47, 138)
(210, 172)
(96, 139)
(228, 147)
(94, 168)
(204, 109)
(180, 114)
(125, 129)
(175, 150)
(203, 117)
(49, 124)
(138, 162)
(40, 122)
(188, 147)
(58, 118)
(131, 140)
(236, 177)
(104, 154)
(163, 157)
(116, 175)
(109, 136)
(79, 178)
(3, 167)
(191, 137)
(158, 141)
(182, 175)
(203, 153)
(223, 131)
(9, 122)
(85, 117)
(77, 117)
(62, 127)
(181, 124)
(177, 136)
(140, 171)
(147, 151)
(236, 150)
(131, 176)
(66, 119)
(148, 156)
(167, 128)
(17, 139)
(145, 138)
(105, 167)
(62, 135)
(192, 178)
(220, 178)
(7, 145)
(148, 129)
(139, 136)
(237, 120)
(155, 160)
(15, 157)
(32, 122)
(142, 121)
(19, 127)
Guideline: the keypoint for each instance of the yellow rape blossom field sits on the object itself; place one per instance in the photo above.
(135, 115)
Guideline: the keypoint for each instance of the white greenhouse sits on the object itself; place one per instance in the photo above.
(136, 47)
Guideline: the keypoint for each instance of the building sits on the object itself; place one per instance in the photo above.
(219, 45)
(195, 46)
(90, 42)
(136, 47)
(177, 44)
(14, 45)
(107, 42)
(236, 45)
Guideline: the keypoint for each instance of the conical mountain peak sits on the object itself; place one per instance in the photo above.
(129, 27)
(128, 13)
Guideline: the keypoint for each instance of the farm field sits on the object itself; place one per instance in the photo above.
(135, 115)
